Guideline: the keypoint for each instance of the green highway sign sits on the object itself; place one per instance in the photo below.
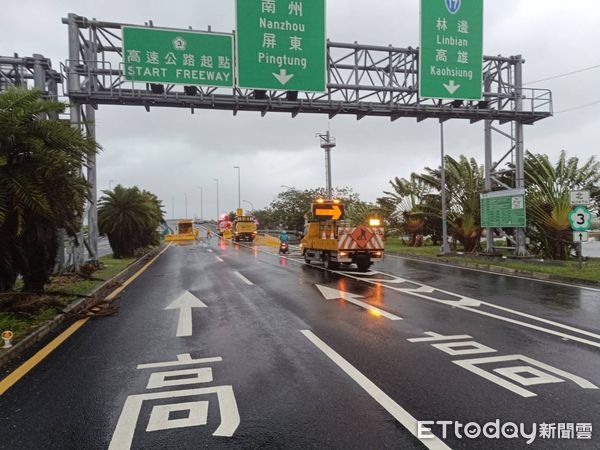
(281, 45)
(156, 55)
(503, 209)
(451, 53)
(580, 219)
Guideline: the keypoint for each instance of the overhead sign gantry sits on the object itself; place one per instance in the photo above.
(272, 39)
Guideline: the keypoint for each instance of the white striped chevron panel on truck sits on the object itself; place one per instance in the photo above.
(360, 238)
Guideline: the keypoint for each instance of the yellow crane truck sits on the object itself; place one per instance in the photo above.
(336, 242)
(243, 227)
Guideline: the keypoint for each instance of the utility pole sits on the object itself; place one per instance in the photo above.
(445, 249)
(239, 187)
(327, 143)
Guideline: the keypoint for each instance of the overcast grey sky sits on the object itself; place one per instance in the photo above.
(171, 152)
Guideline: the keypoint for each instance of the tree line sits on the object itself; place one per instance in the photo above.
(411, 208)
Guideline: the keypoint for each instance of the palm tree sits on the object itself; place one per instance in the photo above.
(41, 186)
(407, 212)
(548, 204)
(464, 184)
(130, 218)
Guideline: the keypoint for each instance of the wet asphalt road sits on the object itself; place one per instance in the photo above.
(540, 341)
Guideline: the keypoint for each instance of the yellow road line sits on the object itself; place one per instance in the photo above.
(24, 368)
(120, 289)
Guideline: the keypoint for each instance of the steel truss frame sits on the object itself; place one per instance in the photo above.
(363, 80)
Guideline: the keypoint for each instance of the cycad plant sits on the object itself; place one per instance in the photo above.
(130, 219)
(41, 186)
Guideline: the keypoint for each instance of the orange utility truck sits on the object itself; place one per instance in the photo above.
(335, 242)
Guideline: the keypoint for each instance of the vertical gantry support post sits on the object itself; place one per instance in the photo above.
(90, 114)
(39, 73)
(73, 84)
(521, 244)
(489, 161)
(50, 89)
(59, 265)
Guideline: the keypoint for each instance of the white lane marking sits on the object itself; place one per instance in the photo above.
(243, 278)
(184, 304)
(210, 250)
(184, 359)
(125, 430)
(464, 305)
(399, 413)
(219, 259)
(534, 327)
(467, 307)
(470, 302)
(332, 294)
(522, 277)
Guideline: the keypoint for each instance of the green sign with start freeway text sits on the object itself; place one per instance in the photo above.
(281, 45)
(451, 53)
(156, 55)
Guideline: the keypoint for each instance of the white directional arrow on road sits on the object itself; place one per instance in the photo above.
(283, 76)
(184, 304)
(332, 294)
(452, 87)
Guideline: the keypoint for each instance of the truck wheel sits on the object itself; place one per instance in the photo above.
(363, 267)
(306, 258)
(328, 263)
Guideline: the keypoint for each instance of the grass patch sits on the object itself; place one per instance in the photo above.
(64, 290)
(568, 269)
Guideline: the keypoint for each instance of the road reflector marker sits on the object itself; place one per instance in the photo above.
(7, 337)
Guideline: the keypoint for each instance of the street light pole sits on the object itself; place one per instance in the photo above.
(239, 187)
(327, 143)
(218, 209)
(201, 203)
